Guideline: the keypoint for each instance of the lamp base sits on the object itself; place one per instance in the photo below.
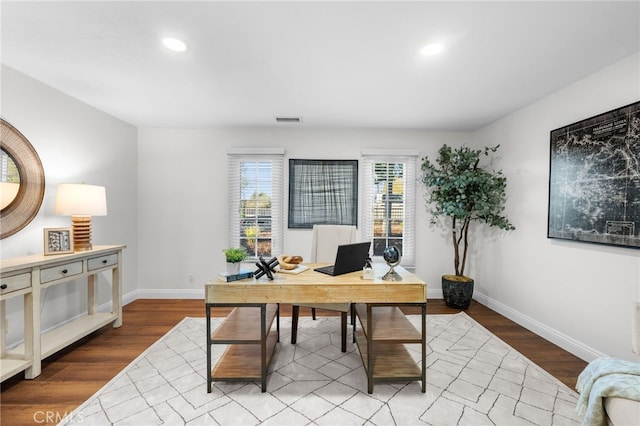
(81, 233)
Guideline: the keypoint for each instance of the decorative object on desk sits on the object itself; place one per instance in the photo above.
(58, 241)
(241, 275)
(266, 267)
(81, 202)
(367, 270)
(287, 261)
(391, 255)
(24, 171)
(297, 270)
(460, 192)
(234, 255)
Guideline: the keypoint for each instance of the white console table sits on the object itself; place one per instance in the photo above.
(27, 276)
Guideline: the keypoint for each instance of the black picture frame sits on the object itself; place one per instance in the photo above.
(594, 179)
(322, 192)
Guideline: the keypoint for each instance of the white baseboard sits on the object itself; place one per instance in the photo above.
(434, 294)
(556, 337)
(161, 293)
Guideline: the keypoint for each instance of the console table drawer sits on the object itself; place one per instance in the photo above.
(60, 271)
(15, 282)
(102, 261)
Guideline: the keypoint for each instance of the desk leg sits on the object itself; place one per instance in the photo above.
(263, 346)
(370, 349)
(295, 312)
(208, 319)
(343, 326)
(353, 322)
(424, 348)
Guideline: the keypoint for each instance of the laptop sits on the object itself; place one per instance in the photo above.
(349, 258)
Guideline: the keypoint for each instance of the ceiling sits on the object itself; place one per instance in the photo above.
(335, 64)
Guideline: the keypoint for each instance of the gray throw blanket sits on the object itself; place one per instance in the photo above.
(606, 377)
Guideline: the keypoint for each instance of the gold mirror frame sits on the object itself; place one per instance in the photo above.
(21, 211)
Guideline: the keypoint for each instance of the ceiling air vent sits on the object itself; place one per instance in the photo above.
(288, 119)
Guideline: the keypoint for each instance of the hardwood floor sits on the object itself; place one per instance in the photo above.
(72, 375)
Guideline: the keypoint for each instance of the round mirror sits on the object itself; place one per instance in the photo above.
(21, 179)
(9, 179)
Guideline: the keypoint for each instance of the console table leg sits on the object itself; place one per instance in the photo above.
(92, 295)
(116, 288)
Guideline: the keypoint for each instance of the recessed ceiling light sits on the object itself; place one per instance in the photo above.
(432, 49)
(174, 44)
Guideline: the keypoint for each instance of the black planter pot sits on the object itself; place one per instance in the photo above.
(457, 291)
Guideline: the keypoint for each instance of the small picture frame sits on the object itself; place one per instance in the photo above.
(58, 241)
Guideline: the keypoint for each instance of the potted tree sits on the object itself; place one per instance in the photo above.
(459, 192)
(234, 256)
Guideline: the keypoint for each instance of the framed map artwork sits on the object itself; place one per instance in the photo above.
(594, 179)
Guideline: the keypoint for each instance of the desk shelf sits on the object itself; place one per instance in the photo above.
(381, 341)
(252, 340)
(243, 362)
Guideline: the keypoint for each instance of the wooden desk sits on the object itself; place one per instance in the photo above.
(376, 299)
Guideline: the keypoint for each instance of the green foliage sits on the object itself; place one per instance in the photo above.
(235, 255)
(461, 191)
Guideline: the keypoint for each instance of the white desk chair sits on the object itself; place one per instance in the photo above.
(326, 239)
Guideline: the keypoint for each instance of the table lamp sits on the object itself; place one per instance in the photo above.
(81, 201)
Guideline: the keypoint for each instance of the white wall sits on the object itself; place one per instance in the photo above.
(576, 294)
(172, 213)
(183, 192)
(76, 143)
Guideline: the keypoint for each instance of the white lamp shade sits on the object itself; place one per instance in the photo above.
(79, 199)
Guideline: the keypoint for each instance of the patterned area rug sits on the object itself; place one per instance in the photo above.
(473, 378)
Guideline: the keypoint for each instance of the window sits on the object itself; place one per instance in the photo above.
(255, 201)
(389, 200)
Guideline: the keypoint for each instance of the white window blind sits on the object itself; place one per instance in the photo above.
(255, 179)
(389, 201)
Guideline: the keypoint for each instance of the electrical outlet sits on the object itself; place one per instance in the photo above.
(192, 279)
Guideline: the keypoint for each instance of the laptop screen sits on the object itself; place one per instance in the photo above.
(350, 258)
